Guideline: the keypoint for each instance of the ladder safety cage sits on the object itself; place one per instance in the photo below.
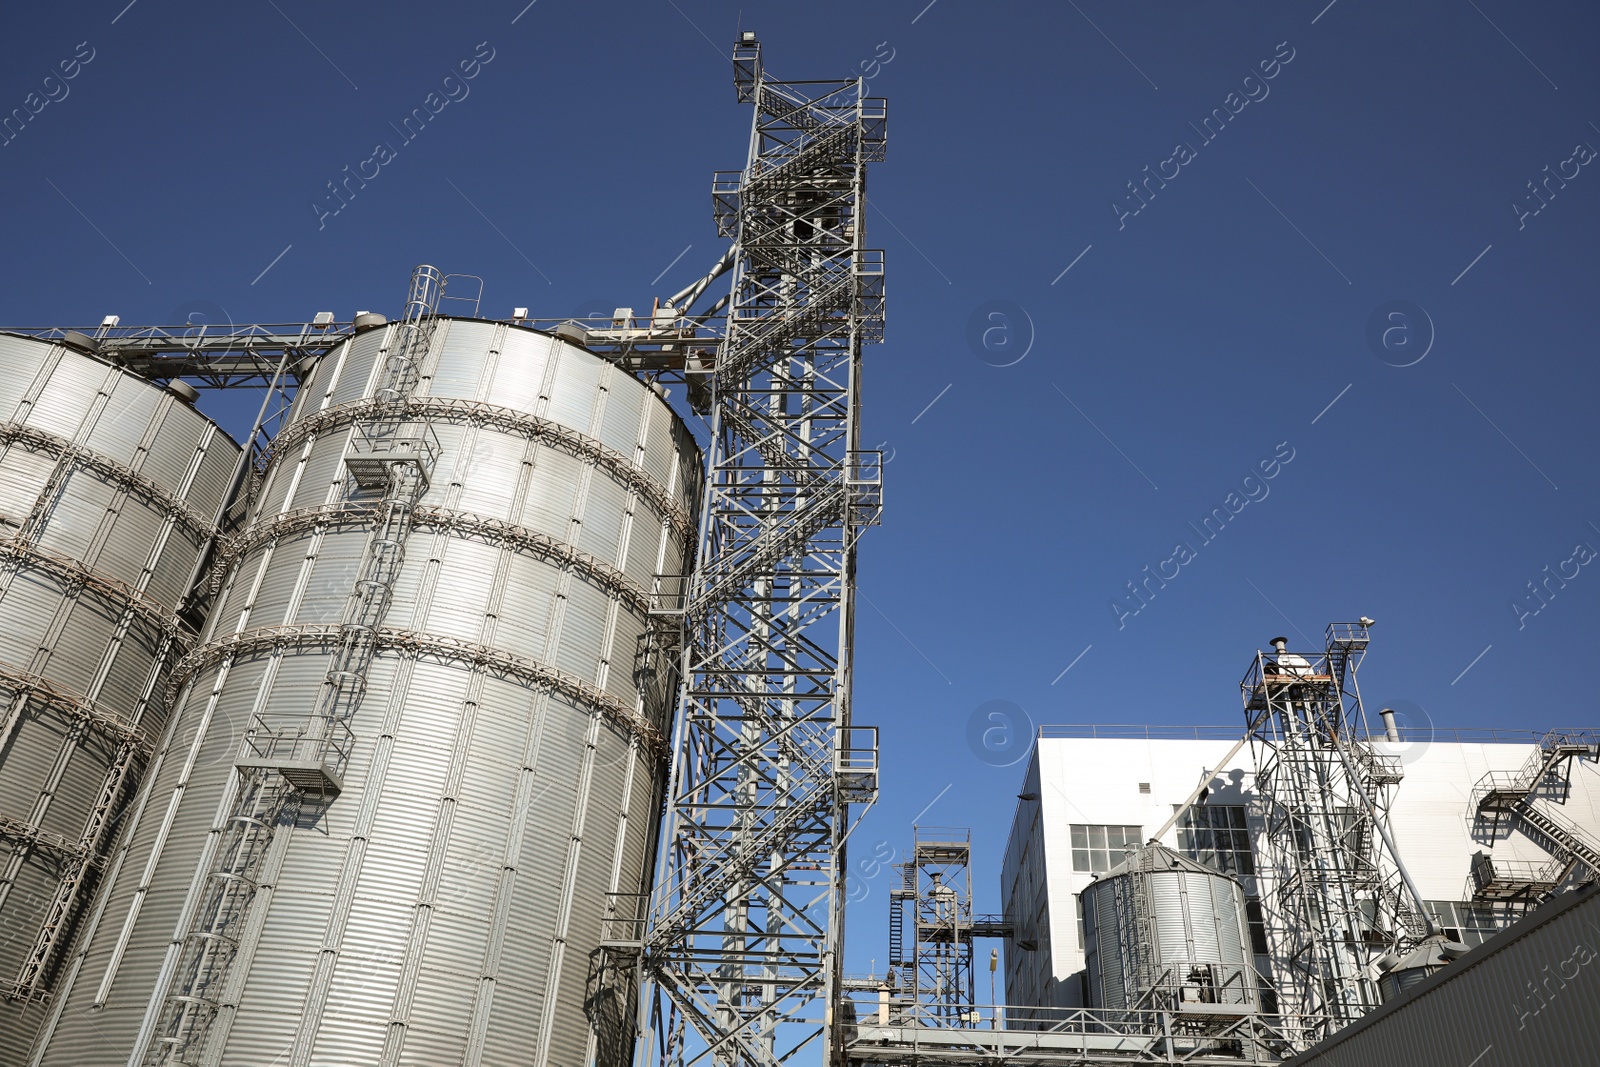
(281, 767)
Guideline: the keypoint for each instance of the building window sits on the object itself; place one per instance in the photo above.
(1474, 922)
(1258, 925)
(1083, 939)
(1100, 848)
(1216, 835)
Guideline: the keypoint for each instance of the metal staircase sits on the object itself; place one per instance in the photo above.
(282, 766)
(1505, 799)
(1336, 895)
(745, 929)
(907, 891)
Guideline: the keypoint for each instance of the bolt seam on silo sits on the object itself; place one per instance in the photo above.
(43, 442)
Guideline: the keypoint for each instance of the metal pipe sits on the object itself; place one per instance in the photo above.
(1391, 731)
(1383, 831)
(692, 292)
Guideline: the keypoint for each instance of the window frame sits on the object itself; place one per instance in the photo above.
(1114, 840)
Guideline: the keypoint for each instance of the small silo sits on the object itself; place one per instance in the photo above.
(110, 487)
(1400, 973)
(441, 900)
(1162, 931)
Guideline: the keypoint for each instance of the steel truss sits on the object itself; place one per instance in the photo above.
(883, 1033)
(937, 889)
(213, 357)
(746, 923)
(1333, 888)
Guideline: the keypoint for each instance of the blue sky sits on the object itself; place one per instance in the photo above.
(1379, 169)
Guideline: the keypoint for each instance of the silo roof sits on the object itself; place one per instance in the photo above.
(1155, 857)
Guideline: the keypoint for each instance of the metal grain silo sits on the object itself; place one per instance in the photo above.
(502, 764)
(1165, 932)
(1402, 973)
(110, 487)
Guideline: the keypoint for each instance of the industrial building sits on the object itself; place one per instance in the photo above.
(1476, 828)
(1241, 895)
(1092, 791)
(1525, 996)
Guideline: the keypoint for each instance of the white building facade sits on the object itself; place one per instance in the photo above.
(1091, 791)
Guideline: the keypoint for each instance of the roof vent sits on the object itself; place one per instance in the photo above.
(183, 391)
(365, 320)
(82, 342)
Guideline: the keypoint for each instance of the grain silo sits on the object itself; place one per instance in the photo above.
(110, 488)
(1165, 932)
(433, 890)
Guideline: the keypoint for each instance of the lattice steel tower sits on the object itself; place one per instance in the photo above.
(746, 924)
(936, 974)
(1337, 896)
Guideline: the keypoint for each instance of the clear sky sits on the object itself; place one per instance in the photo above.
(1361, 160)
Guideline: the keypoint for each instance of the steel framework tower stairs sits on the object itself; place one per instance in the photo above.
(1334, 887)
(744, 931)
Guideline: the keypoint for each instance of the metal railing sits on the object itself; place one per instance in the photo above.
(1494, 879)
(885, 1025)
(855, 762)
(623, 925)
(303, 742)
(1408, 735)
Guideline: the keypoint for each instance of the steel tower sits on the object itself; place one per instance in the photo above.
(936, 975)
(1338, 896)
(746, 924)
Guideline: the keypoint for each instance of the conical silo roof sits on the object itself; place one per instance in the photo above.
(1157, 857)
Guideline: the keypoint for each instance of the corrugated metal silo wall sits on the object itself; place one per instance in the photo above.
(446, 908)
(109, 487)
(1199, 917)
(1196, 918)
(1106, 907)
(1530, 995)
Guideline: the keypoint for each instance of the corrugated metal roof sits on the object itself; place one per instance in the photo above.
(1528, 995)
(1160, 858)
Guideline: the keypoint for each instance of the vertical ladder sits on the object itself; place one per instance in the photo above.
(279, 767)
(897, 915)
